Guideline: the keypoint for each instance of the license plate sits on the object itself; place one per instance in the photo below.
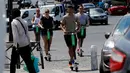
(119, 10)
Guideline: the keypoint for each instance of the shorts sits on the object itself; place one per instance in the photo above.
(68, 40)
(81, 36)
(44, 32)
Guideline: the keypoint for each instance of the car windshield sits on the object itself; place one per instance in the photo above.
(88, 5)
(26, 0)
(122, 26)
(51, 9)
(96, 11)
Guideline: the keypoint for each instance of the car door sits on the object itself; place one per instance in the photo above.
(61, 12)
(57, 13)
(25, 16)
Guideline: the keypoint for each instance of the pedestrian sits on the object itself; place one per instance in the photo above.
(35, 21)
(69, 25)
(128, 7)
(83, 19)
(46, 24)
(106, 6)
(19, 2)
(21, 42)
(36, 5)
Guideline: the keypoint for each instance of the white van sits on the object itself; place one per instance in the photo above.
(26, 14)
(57, 11)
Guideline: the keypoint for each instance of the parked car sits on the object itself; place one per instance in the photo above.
(115, 52)
(88, 5)
(97, 15)
(114, 10)
(26, 14)
(24, 3)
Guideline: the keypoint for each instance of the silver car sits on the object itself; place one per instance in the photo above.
(88, 5)
(97, 15)
(115, 55)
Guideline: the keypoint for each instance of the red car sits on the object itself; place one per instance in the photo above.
(115, 10)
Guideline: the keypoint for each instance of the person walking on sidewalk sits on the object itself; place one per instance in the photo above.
(46, 24)
(83, 19)
(35, 21)
(70, 24)
(21, 42)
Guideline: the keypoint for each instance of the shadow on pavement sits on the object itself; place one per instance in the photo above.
(87, 70)
(60, 60)
(90, 55)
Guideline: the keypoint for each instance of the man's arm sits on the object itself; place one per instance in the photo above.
(40, 23)
(33, 20)
(62, 25)
(15, 34)
(78, 25)
(87, 21)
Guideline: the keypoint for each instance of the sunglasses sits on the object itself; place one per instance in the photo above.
(46, 12)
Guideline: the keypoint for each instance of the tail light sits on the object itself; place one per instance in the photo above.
(117, 60)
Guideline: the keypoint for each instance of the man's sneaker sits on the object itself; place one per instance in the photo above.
(70, 65)
(80, 52)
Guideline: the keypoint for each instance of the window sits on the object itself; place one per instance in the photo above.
(96, 11)
(25, 14)
(122, 26)
(61, 8)
(57, 9)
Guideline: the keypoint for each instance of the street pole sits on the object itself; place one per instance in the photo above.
(10, 20)
(2, 34)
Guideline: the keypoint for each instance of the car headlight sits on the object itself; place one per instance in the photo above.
(105, 16)
(93, 17)
(108, 48)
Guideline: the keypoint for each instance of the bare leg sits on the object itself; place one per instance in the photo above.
(45, 44)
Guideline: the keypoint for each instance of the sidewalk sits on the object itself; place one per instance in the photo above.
(64, 70)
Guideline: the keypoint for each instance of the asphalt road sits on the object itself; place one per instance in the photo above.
(59, 51)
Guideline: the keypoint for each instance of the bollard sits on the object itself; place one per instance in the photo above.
(94, 61)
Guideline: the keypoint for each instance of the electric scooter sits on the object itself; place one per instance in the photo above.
(74, 62)
(80, 51)
(48, 40)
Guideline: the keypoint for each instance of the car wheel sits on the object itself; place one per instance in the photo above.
(101, 23)
(106, 22)
(101, 69)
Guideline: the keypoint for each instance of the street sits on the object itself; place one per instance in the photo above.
(59, 51)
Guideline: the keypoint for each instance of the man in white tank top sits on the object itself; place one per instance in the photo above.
(35, 21)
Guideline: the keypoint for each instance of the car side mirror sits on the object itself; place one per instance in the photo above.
(107, 35)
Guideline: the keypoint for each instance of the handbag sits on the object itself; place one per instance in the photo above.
(35, 63)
